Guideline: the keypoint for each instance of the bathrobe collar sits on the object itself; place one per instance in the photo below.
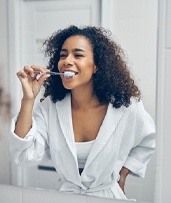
(106, 130)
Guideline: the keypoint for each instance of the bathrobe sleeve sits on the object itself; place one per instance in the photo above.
(144, 142)
(34, 147)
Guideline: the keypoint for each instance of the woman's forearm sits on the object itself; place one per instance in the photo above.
(24, 120)
(31, 87)
(123, 174)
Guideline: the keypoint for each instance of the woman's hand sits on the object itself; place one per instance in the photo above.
(31, 87)
(30, 84)
(123, 174)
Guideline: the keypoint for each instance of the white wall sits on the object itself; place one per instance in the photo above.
(4, 100)
(134, 26)
(163, 163)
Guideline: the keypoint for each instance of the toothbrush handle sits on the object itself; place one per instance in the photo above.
(50, 73)
(54, 73)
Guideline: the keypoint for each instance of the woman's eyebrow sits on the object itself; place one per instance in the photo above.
(78, 49)
(74, 50)
(63, 50)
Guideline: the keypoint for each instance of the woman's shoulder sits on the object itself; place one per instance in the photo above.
(48, 103)
(44, 104)
(135, 104)
(136, 108)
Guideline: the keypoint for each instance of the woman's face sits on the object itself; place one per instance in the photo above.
(77, 56)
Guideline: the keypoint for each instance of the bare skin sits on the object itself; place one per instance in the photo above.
(31, 87)
(123, 174)
(87, 112)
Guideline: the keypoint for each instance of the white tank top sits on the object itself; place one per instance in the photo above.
(83, 150)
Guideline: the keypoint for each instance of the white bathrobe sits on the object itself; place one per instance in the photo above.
(126, 138)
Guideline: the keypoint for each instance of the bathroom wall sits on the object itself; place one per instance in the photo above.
(4, 95)
(163, 121)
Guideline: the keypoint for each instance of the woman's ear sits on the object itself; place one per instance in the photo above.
(95, 69)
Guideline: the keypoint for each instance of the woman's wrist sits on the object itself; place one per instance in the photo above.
(124, 171)
(27, 105)
(25, 101)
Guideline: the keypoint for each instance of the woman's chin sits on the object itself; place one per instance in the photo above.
(68, 87)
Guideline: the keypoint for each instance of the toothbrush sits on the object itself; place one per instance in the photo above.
(65, 74)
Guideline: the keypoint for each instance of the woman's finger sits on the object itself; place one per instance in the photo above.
(42, 78)
(21, 74)
(34, 70)
(29, 71)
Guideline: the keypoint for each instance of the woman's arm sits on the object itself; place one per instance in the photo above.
(35, 145)
(31, 87)
(123, 174)
(144, 142)
(24, 120)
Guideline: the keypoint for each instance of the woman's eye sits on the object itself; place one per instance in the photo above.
(63, 55)
(78, 55)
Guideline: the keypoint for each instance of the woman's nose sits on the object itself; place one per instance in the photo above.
(68, 60)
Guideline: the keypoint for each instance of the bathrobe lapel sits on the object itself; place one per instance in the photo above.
(65, 120)
(109, 125)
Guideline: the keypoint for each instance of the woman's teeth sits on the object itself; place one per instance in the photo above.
(68, 74)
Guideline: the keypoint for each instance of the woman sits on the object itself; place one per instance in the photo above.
(92, 124)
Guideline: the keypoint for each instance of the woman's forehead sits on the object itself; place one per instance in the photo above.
(77, 42)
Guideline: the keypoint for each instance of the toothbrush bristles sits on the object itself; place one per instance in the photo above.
(68, 74)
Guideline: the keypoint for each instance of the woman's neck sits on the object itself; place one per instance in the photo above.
(84, 100)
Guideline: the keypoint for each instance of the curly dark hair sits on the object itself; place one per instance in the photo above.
(112, 81)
